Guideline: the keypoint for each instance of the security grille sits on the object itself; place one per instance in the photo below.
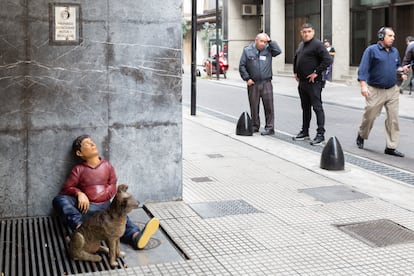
(335, 193)
(201, 179)
(38, 246)
(223, 208)
(378, 233)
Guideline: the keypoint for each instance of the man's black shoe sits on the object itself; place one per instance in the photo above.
(318, 140)
(268, 132)
(255, 129)
(360, 142)
(301, 136)
(393, 152)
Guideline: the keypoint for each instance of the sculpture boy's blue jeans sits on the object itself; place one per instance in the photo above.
(66, 206)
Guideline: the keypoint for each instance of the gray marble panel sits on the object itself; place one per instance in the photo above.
(12, 106)
(93, 11)
(57, 108)
(142, 12)
(149, 161)
(89, 56)
(144, 110)
(12, 42)
(9, 9)
(122, 85)
(13, 201)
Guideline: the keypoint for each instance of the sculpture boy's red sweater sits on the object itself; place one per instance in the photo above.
(99, 183)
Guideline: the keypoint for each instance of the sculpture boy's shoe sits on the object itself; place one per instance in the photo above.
(142, 239)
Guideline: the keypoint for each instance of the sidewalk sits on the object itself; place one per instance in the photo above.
(245, 210)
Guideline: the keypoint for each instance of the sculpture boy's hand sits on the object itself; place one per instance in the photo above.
(83, 202)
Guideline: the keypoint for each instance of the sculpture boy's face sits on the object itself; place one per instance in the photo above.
(88, 149)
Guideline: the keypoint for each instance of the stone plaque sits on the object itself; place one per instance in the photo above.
(65, 24)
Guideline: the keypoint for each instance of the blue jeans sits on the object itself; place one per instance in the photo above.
(66, 206)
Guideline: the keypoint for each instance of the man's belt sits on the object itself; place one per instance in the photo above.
(380, 87)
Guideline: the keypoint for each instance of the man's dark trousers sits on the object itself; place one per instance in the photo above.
(262, 90)
(311, 96)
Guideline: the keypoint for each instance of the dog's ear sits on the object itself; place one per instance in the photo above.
(122, 188)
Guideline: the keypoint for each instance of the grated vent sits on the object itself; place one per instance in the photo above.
(201, 179)
(37, 246)
(378, 233)
(223, 208)
(215, 155)
(334, 193)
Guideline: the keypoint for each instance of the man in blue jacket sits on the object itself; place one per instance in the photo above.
(377, 76)
(256, 69)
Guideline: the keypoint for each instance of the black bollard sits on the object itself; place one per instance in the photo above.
(244, 125)
(332, 157)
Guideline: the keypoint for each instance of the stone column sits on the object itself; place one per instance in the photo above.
(340, 37)
(277, 31)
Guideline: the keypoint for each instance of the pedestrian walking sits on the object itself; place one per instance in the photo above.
(256, 69)
(310, 62)
(408, 62)
(332, 52)
(377, 76)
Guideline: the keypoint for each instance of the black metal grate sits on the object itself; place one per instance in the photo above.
(335, 193)
(217, 209)
(201, 179)
(215, 155)
(378, 233)
(38, 246)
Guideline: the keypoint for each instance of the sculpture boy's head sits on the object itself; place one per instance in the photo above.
(84, 147)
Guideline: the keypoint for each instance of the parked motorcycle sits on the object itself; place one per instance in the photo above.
(210, 65)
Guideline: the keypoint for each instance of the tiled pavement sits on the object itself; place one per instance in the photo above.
(289, 232)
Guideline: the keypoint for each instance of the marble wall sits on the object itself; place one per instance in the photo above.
(121, 84)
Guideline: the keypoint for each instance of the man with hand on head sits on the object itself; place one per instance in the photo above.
(256, 69)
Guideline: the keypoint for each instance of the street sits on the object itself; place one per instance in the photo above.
(343, 109)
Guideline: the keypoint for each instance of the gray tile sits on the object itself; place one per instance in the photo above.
(334, 193)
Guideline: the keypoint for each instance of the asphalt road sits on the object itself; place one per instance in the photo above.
(342, 120)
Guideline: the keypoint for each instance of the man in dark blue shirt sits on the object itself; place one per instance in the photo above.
(377, 76)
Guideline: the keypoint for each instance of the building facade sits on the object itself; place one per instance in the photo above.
(350, 26)
(115, 75)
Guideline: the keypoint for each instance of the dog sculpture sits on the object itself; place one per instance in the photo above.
(108, 226)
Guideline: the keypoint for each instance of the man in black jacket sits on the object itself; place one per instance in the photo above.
(408, 62)
(311, 60)
(256, 69)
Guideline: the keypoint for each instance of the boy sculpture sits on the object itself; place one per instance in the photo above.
(89, 189)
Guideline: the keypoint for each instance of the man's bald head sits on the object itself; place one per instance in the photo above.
(261, 41)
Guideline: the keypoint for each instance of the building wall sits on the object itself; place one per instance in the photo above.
(122, 85)
(340, 38)
(241, 31)
(277, 33)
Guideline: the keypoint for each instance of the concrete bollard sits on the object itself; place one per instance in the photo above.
(332, 157)
(244, 125)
